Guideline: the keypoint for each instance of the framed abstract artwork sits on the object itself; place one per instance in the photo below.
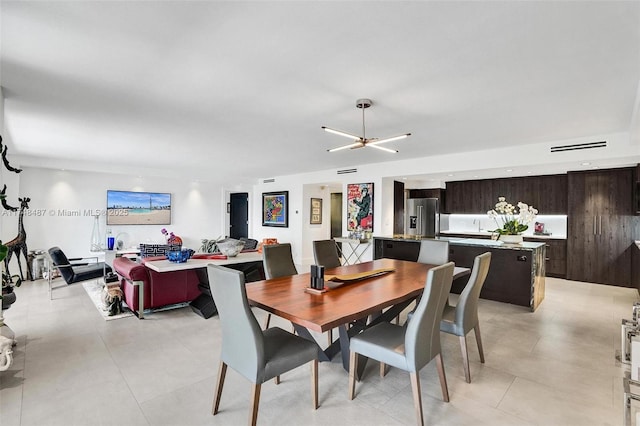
(360, 207)
(316, 211)
(275, 209)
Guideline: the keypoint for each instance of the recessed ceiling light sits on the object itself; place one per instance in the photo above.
(595, 167)
(586, 163)
(475, 176)
(529, 172)
(509, 170)
(449, 175)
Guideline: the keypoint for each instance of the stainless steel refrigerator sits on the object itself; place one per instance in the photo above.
(422, 217)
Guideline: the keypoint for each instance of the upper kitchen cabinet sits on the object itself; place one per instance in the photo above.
(601, 226)
(548, 194)
(427, 193)
(468, 196)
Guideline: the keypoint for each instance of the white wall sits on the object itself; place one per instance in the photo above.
(311, 232)
(57, 195)
(299, 233)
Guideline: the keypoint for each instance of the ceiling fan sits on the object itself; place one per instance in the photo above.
(362, 141)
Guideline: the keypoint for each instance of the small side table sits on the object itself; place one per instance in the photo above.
(358, 249)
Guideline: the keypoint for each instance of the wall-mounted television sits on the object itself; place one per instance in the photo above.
(138, 208)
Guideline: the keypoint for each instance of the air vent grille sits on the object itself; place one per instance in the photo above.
(345, 171)
(269, 180)
(574, 147)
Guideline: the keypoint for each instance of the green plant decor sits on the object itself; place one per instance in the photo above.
(514, 219)
(7, 280)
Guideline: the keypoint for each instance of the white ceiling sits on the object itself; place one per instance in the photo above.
(240, 90)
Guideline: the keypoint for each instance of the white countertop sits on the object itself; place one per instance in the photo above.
(488, 234)
(167, 266)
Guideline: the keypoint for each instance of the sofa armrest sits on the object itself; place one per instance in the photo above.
(130, 270)
(135, 283)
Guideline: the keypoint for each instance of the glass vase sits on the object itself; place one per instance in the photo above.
(96, 241)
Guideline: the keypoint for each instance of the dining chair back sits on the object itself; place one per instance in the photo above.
(414, 345)
(278, 261)
(463, 318)
(434, 252)
(422, 338)
(255, 354)
(325, 252)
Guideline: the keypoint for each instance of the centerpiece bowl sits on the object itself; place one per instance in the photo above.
(179, 256)
(230, 247)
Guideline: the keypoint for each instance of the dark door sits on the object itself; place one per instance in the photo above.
(398, 207)
(336, 214)
(239, 215)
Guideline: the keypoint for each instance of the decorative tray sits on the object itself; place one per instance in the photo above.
(349, 278)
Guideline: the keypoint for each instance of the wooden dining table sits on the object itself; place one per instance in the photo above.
(350, 307)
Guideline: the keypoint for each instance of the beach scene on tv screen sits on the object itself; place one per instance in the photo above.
(138, 208)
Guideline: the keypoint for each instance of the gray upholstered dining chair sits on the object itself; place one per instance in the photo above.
(325, 252)
(255, 354)
(434, 252)
(463, 318)
(414, 345)
(278, 262)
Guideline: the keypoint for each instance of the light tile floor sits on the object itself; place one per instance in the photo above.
(556, 366)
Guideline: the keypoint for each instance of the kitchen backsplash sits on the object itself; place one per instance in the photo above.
(556, 225)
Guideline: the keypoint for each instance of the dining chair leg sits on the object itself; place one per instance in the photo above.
(276, 380)
(314, 383)
(476, 329)
(222, 372)
(255, 401)
(443, 378)
(417, 397)
(353, 367)
(465, 358)
(383, 369)
(267, 321)
(330, 336)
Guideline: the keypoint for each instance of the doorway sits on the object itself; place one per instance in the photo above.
(239, 215)
(336, 214)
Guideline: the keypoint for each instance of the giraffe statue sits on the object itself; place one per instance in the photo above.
(19, 244)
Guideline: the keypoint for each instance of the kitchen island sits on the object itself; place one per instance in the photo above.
(516, 274)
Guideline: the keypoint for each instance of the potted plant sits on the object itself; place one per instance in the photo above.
(7, 295)
(512, 220)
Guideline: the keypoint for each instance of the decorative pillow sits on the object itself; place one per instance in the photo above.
(148, 250)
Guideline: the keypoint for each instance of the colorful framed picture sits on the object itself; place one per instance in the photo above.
(316, 211)
(360, 207)
(275, 209)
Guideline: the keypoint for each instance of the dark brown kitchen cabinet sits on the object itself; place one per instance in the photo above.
(556, 256)
(469, 196)
(427, 193)
(600, 226)
(548, 194)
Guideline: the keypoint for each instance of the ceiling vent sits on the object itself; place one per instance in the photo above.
(574, 147)
(269, 180)
(345, 171)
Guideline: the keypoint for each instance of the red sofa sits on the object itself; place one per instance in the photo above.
(160, 289)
